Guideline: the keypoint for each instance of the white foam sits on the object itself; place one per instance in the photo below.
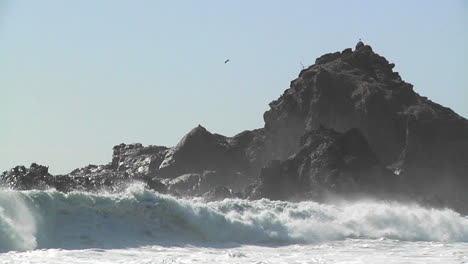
(50, 219)
(356, 251)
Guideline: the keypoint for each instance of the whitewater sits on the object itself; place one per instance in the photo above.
(143, 226)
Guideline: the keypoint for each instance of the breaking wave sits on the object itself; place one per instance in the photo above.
(137, 217)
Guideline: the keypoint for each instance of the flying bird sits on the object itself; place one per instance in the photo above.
(226, 61)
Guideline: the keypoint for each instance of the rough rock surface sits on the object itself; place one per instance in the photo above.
(201, 150)
(22, 178)
(135, 159)
(228, 161)
(198, 184)
(328, 161)
(129, 163)
(343, 91)
(90, 178)
(424, 142)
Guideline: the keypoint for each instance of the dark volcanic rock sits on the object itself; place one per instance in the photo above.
(201, 150)
(197, 184)
(343, 91)
(135, 159)
(22, 178)
(425, 143)
(218, 160)
(185, 185)
(91, 178)
(435, 156)
(157, 185)
(38, 177)
(328, 161)
(129, 163)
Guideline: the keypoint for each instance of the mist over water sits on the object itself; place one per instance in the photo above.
(140, 217)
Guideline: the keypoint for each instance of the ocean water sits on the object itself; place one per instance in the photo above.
(142, 226)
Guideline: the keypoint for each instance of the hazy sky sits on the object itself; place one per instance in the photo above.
(78, 77)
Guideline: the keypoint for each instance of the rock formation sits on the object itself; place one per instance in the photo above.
(22, 178)
(327, 161)
(348, 124)
(90, 178)
(201, 150)
(136, 159)
(426, 144)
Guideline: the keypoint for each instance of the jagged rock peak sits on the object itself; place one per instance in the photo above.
(196, 150)
(136, 158)
(23, 178)
(198, 135)
(198, 130)
(360, 44)
(363, 58)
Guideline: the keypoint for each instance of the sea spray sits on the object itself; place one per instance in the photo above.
(136, 217)
(17, 224)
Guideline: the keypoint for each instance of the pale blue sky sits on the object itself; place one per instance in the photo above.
(78, 77)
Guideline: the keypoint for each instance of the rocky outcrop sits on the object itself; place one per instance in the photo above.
(348, 124)
(129, 163)
(90, 178)
(327, 162)
(202, 150)
(215, 160)
(343, 90)
(201, 162)
(423, 142)
(22, 178)
(135, 159)
(198, 184)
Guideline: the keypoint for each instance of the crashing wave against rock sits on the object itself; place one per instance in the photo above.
(347, 125)
(78, 220)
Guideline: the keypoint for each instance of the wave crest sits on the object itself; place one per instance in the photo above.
(51, 219)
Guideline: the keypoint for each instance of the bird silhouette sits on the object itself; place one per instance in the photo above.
(226, 61)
